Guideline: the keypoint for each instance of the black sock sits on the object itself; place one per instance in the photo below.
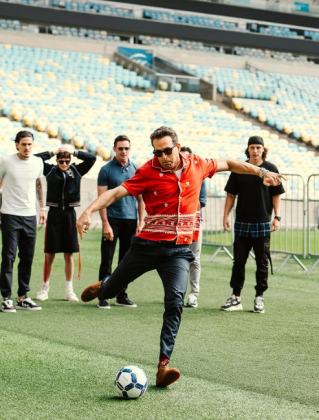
(236, 292)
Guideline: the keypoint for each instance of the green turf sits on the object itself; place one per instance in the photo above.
(60, 363)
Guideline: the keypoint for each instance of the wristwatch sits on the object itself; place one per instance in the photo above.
(278, 218)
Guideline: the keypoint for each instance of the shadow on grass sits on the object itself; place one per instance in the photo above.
(152, 389)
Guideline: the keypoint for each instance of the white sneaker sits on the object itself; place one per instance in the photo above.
(192, 301)
(71, 296)
(232, 304)
(7, 306)
(259, 307)
(43, 294)
(28, 304)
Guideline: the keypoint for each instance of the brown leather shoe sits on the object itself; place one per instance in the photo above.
(92, 292)
(165, 375)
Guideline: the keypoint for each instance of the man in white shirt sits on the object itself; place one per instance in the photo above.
(21, 175)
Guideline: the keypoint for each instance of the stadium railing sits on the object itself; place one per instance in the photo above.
(212, 223)
(313, 218)
(299, 225)
(290, 239)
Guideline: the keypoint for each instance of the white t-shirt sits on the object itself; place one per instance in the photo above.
(178, 173)
(19, 184)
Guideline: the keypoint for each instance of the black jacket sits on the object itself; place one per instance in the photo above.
(63, 188)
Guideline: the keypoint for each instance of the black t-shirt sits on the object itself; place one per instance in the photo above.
(254, 204)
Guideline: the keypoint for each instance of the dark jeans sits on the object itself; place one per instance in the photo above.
(242, 247)
(172, 264)
(17, 231)
(123, 229)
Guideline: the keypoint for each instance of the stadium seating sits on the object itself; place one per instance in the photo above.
(93, 7)
(178, 44)
(28, 2)
(279, 31)
(284, 102)
(100, 7)
(258, 53)
(197, 20)
(85, 100)
(312, 35)
(216, 23)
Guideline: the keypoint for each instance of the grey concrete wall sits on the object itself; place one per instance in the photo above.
(58, 42)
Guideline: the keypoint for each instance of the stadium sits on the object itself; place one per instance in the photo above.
(79, 73)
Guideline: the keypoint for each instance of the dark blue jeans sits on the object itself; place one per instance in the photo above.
(172, 264)
(17, 232)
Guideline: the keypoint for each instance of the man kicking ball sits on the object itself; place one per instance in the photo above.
(170, 185)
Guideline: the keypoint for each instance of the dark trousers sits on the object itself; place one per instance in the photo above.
(17, 232)
(242, 247)
(172, 264)
(123, 230)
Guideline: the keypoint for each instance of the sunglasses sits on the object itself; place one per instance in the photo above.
(64, 161)
(123, 148)
(168, 151)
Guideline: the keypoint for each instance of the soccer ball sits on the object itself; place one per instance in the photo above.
(131, 382)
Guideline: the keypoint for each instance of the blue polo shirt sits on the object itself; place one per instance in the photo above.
(112, 175)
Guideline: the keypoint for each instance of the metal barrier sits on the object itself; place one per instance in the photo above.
(313, 218)
(290, 239)
(213, 232)
(297, 237)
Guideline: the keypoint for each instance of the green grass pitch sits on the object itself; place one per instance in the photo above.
(60, 363)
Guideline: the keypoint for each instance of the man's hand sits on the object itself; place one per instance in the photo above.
(83, 224)
(275, 225)
(226, 224)
(108, 234)
(60, 150)
(273, 179)
(42, 217)
(139, 227)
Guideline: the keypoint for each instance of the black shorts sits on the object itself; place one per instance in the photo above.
(61, 234)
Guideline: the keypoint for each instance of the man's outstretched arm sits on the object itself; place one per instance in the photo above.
(268, 177)
(103, 201)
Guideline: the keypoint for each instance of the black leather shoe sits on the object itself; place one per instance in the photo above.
(125, 301)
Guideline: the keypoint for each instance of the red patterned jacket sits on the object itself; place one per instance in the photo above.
(172, 205)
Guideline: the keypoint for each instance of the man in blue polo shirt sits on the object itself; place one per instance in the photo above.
(119, 221)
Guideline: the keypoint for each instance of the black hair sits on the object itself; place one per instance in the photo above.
(63, 155)
(23, 134)
(121, 138)
(186, 149)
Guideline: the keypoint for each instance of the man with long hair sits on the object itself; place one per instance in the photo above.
(253, 224)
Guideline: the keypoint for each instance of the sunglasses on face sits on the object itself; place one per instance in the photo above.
(61, 162)
(123, 148)
(168, 151)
